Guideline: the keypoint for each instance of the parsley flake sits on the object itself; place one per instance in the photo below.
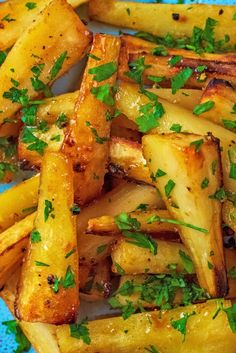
(23, 344)
(104, 94)
(179, 80)
(205, 183)
(48, 210)
(35, 236)
(181, 324)
(57, 65)
(175, 60)
(103, 72)
(169, 187)
(137, 69)
(80, 331)
(176, 128)
(187, 262)
(197, 144)
(31, 5)
(203, 107)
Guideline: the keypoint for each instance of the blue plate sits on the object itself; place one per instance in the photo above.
(7, 342)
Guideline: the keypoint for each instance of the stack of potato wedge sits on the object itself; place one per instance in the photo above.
(131, 200)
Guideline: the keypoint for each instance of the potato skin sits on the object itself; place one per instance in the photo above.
(58, 238)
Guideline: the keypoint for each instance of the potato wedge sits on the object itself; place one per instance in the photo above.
(126, 160)
(18, 202)
(127, 94)
(224, 97)
(136, 260)
(22, 16)
(221, 66)
(107, 225)
(86, 140)
(13, 245)
(155, 329)
(192, 202)
(124, 198)
(50, 270)
(42, 336)
(54, 44)
(143, 17)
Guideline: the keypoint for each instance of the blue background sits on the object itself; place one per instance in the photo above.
(7, 342)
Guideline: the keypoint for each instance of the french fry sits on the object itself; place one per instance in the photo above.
(155, 329)
(136, 260)
(86, 139)
(143, 17)
(97, 282)
(18, 201)
(124, 198)
(41, 336)
(221, 66)
(13, 244)
(107, 225)
(22, 16)
(224, 97)
(203, 238)
(50, 270)
(127, 94)
(45, 42)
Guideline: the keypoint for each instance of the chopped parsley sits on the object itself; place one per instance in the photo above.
(8, 18)
(234, 109)
(80, 331)
(104, 94)
(232, 272)
(229, 124)
(142, 207)
(169, 187)
(57, 65)
(160, 51)
(3, 56)
(75, 209)
(71, 252)
(205, 183)
(31, 5)
(181, 324)
(187, 262)
(175, 60)
(17, 96)
(67, 282)
(41, 264)
(98, 138)
(103, 72)
(119, 269)
(128, 310)
(210, 265)
(176, 128)
(231, 316)
(219, 195)
(35, 144)
(156, 79)
(197, 144)
(234, 17)
(159, 173)
(179, 80)
(7, 167)
(48, 210)
(23, 344)
(151, 349)
(101, 249)
(173, 221)
(61, 121)
(203, 107)
(35, 236)
(137, 69)
(92, 56)
(130, 229)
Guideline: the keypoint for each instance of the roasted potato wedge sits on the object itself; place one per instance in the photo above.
(221, 66)
(127, 94)
(187, 199)
(13, 245)
(42, 336)
(18, 202)
(50, 270)
(143, 17)
(123, 198)
(126, 160)
(136, 260)
(155, 329)
(51, 45)
(224, 97)
(22, 16)
(86, 139)
(107, 225)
